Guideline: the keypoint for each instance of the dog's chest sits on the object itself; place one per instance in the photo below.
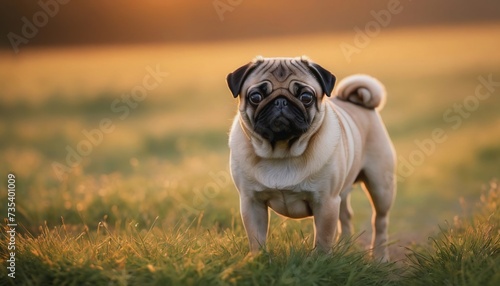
(294, 202)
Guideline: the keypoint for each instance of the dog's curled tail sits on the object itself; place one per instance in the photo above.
(362, 90)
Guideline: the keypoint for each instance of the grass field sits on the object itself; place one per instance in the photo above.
(148, 198)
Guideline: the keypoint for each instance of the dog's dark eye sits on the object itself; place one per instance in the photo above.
(255, 98)
(306, 98)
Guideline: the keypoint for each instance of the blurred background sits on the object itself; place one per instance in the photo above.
(119, 110)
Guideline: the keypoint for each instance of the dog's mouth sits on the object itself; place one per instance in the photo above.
(281, 120)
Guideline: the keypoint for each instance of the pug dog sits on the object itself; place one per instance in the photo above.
(296, 149)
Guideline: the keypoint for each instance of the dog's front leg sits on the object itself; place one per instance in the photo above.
(326, 216)
(255, 215)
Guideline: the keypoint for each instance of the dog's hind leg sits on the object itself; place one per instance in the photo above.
(345, 224)
(380, 185)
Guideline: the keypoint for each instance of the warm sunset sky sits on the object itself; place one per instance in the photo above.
(133, 21)
(127, 21)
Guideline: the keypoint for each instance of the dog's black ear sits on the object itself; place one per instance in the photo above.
(325, 78)
(235, 79)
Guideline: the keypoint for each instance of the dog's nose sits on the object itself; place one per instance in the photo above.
(280, 102)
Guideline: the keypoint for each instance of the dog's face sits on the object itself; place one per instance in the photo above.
(280, 97)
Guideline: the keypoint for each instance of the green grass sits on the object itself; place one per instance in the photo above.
(465, 253)
(154, 202)
(185, 255)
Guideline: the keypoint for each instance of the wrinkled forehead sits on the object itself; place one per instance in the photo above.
(281, 72)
